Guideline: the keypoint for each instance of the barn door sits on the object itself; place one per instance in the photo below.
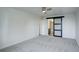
(57, 26)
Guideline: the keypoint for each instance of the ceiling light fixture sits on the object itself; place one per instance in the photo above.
(43, 11)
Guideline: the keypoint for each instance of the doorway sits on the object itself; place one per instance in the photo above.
(55, 26)
(50, 27)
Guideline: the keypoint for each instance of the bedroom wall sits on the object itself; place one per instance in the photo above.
(44, 27)
(17, 26)
(1, 28)
(77, 25)
(68, 26)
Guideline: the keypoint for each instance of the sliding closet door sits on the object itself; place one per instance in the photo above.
(57, 26)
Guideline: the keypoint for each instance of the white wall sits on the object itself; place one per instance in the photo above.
(44, 27)
(77, 26)
(1, 28)
(68, 26)
(17, 26)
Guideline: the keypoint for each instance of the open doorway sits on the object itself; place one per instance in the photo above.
(50, 27)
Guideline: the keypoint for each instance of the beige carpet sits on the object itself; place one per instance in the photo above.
(45, 44)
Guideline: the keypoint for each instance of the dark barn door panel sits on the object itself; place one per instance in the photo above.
(57, 26)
